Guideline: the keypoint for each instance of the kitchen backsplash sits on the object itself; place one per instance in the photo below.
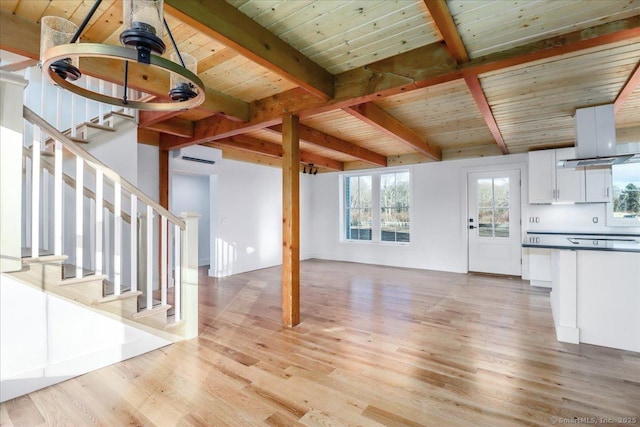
(588, 217)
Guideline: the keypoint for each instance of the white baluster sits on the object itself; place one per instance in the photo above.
(57, 199)
(101, 105)
(134, 243)
(46, 202)
(58, 107)
(79, 214)
(73, 116)
(35, 199)
(117, 238)
(114, 93)
(99, 219)
(107, 244)
(177, 274)
(163, 260)
(87, 103)
(149, 257)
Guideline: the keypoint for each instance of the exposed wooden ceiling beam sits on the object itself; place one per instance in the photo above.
(473, 83)
(23, 38)
(324, 140)
(627, 89)
(441, 15)
(247, 143)
(17, 66)
(422, 67)
(176, 126)
(600, 35)
(148, 118)
(234, 29)
(381, 120)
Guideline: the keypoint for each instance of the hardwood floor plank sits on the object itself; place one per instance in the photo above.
(376, 346)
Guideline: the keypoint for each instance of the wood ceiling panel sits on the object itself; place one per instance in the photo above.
(244, 79)
(445, 114)
(340, 36)
(534, 105)
(345, 126)
(491, 26)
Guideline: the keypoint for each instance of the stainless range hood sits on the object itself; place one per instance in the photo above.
(595, 139)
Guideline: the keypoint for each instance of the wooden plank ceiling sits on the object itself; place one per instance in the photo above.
(379, 83)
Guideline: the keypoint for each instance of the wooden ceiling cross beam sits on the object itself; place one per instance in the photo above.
(441, 15)
(381, 120)
(324, 140)
(225, 23)
(255, 145)
(632, 83)
(473, 83)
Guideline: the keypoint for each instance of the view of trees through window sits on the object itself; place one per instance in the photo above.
(394, 207)
(626, 191)
(392, 204)
(358, 204)
(493, 207)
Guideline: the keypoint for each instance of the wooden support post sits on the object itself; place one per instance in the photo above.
(290, 221)
(164, 178)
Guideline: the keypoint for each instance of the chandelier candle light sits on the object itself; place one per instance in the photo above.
(142, 40)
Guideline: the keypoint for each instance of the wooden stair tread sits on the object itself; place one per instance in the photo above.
(120, 114)
(98, 126)
(123, 295)
(75, 280)
(152, 311)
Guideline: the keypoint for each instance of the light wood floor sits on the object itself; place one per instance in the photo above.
(376, 346)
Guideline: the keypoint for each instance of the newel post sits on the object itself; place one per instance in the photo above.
(190, 274)
(11, 124)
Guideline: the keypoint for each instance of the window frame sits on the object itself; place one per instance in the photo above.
(376, 222)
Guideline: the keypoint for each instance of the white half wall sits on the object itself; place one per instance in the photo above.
(438, 217)
(57, 340)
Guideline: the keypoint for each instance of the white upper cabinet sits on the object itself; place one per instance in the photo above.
(598, 185)
(548, 184)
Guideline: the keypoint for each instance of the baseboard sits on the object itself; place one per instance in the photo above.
(540, 283)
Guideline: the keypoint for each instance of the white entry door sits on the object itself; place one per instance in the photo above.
(494, 222)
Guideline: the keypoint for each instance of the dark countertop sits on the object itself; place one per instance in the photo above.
(583, 241)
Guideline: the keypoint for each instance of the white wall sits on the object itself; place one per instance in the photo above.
(191, 194)
(438, 217)
(57, 339)
(249, 199)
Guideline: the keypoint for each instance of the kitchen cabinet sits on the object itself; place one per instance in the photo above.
(598, 185)
(548, 184)
(540, 267)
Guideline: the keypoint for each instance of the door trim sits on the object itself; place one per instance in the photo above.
(524, 197)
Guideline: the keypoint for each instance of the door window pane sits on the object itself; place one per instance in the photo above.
(493, 207)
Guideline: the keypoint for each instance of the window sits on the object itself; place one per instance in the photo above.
(625, 209)
(493, 207)
(358, 207)
(376, 207)
(394, 207)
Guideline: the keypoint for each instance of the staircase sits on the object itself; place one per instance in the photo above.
(81, 232)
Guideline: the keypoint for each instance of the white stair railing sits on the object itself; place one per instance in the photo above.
(182, 261)
(67, 110)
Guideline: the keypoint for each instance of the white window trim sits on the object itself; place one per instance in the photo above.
(375, 206)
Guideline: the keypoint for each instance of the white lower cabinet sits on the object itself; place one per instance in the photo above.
(540, 267)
